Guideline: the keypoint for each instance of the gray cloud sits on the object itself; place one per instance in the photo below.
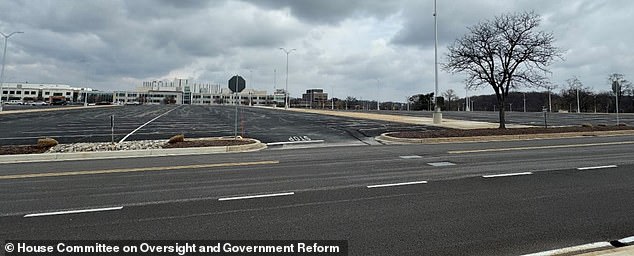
(341, 45)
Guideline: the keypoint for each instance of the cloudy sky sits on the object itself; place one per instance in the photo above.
(368, 49)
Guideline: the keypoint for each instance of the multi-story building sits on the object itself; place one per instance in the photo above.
(315, 97)
(43, 92)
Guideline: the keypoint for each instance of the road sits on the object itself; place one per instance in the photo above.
(164, 121)
(443, 205)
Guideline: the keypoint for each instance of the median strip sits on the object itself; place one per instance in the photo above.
(507, 175)
(73, 212)
(146, 169)
(255, 196)
(398, 184)
(596, 167)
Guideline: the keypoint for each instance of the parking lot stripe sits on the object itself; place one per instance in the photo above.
(255, 196)
(73, 212)
(148, 122)
(398, 184)
(596, 167)
(145, 169)
(507, 175)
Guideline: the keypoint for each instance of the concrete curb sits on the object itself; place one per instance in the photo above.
(50, 157)
(612, 248)
(386, 138)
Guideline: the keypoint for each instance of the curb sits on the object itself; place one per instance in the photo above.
(615, 247)
(35, 110)
(50, 157)
(386, 138)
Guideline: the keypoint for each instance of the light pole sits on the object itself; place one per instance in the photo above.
(578, 106)
(4, 58)
(378, 87)
(437, 116)
(286, 91)
(524, 102)
(618, 88)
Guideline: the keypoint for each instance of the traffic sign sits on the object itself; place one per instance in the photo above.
(237, 84)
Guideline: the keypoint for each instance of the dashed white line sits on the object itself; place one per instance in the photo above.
(73, 212)
(596, 167)
(398, 184)
(255, 196)
(411, 157)
(507, 175)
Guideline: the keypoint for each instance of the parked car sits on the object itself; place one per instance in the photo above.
(39, 103)
(14, 102)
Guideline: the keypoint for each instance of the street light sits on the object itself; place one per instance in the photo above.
(286, 92)
(4, 57)
(378, 84)
(437, 116)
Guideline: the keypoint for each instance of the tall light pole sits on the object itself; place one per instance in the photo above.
(378, 85)
(4, 58)
(286, 91)
(437, 114)
(578, 106)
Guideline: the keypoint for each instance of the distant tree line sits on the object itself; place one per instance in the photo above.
(564, 99)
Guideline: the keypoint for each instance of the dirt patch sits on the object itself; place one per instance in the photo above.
(207, 143)
(22, 149)
(494, 132)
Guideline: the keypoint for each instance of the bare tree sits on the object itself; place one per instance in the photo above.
(450, 95)
(506, 52)
(619, 83)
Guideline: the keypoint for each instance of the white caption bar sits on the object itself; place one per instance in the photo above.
(255, 196)
(596, 167)
(73, 212)
(507, 175)
(398, 184)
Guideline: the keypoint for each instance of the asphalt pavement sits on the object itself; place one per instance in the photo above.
(164, 121)
(494, 198)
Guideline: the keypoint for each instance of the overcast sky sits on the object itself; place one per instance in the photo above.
(368, 49)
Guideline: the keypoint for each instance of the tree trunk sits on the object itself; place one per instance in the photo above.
(502, 118)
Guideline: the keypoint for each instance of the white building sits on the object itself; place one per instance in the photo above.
(182, 91)
(42, 92)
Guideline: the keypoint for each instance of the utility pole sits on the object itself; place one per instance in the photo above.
(437, 116)
(4, 58)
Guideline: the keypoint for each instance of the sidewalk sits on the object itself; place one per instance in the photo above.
(446, 123)
(622, 251)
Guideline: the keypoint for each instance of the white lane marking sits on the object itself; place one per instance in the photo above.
(411, 157)
(507, 175)
(596, 167)
(441, 164)
(293, 142)
(573, 249)
(627, 240)
(255, 196)
(73, 212)
(143, 125)
(397, 184)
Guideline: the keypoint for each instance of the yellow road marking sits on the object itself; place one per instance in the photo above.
(540, 147)
(146, 169)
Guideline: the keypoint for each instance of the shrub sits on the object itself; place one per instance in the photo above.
(603, 125)
(46, 143)
(176, 138)
(586, 125)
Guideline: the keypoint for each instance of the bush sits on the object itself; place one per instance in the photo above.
(586, 125)
(46, 143)
(603, 125)
(176, 138)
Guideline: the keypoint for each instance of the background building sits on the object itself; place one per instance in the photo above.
(315, 98)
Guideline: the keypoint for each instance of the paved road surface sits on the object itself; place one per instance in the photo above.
(456, 212)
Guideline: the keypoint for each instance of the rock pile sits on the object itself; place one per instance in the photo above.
(107, 146)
